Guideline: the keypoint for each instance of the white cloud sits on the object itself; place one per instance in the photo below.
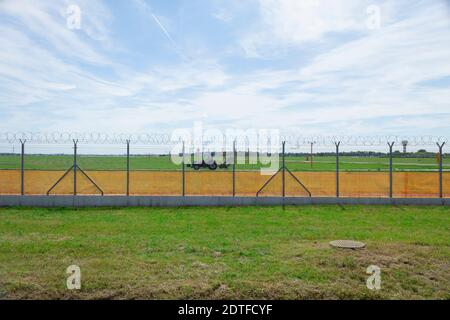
(43, 19)
(374, 77)
(293, 22)
(223, 15)
(371, 83)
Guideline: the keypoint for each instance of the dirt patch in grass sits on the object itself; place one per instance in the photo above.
(407, 271)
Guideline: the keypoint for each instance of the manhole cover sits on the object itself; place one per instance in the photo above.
(347, 244)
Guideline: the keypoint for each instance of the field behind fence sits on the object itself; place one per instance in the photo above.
(318, 170)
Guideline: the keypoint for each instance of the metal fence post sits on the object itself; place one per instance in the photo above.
(337, 168)
(311, 160)
(441, 146)
(75, 142)
(183, 173)
(22, 167)
(390, 144)
(284, 170)
(128, 167)
(234, 168)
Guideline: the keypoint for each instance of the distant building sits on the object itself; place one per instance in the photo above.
(404, 144)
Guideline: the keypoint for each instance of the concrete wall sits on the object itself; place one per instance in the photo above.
(177, 201)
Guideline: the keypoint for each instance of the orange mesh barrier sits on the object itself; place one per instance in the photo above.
(446, 184)
(9, 182)
(352, 184)
(364, 184)
(155, 183)
(210, 183)
(248, 183)
(320, 184)
(416, 184)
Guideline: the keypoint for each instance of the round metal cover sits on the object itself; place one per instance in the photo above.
(347, 244)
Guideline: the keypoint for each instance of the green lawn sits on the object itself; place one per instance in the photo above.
(321, 163)
(248, 252)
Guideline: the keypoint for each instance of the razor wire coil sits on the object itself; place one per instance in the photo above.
(162, 139)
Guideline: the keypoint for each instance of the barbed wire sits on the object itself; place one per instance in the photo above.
(164, 139)
(87, 138)
(366, 140)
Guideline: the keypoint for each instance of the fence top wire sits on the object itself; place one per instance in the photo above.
(164, 139)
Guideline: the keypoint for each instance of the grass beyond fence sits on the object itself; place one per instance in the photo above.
(237, 253)
(295, 163)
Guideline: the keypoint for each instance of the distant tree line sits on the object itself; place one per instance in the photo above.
(398, 154)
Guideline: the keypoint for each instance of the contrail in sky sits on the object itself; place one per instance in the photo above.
(145, 7)
(164, 30)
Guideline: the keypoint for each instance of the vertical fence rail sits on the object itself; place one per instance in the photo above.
(337, 168)
(22, 167)
(311, 160)
(440, 146)
(183, 179)
(75, 143)
(234, 168)
(284, 170)
(391, 145)
(128, 167)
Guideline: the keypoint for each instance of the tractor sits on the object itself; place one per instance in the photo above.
(208, 162)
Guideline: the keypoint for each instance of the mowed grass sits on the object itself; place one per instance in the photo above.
(295, 163)
(236, 253)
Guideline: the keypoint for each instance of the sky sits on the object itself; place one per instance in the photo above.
(349, 67)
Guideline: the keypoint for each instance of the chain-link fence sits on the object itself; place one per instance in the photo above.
(95, 164)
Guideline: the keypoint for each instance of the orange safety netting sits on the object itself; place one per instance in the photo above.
(320, 184)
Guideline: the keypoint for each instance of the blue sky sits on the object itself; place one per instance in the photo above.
(313, 67)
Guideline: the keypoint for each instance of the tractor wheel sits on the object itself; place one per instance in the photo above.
(196, 166)
(212, 166)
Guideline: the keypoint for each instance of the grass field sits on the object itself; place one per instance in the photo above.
(251, 252)
(321, 163)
